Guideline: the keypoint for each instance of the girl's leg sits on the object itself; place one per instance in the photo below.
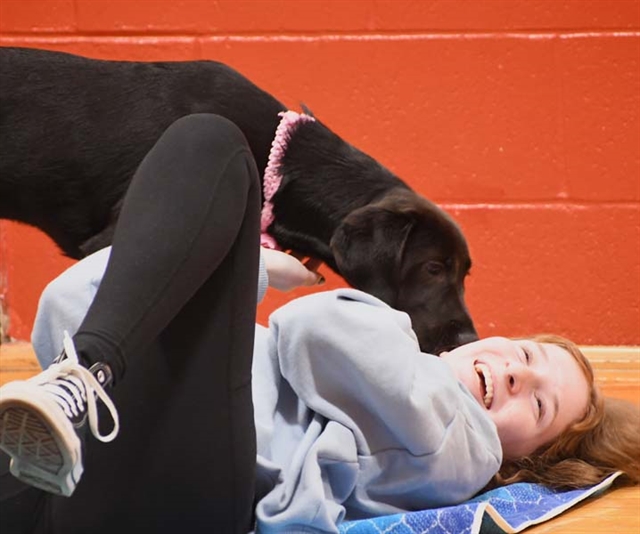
(20, 504)
(176, 311)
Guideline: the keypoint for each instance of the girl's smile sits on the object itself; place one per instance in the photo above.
(532, 391)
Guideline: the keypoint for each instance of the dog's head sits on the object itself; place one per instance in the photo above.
(409, 253)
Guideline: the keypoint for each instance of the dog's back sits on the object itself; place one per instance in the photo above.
(73, 131)
(86, 125)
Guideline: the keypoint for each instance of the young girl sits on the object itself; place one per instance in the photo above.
(343, 413)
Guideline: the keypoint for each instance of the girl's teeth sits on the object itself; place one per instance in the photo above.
(483, 370)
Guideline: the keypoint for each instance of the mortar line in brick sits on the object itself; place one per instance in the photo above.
(553, 204)
(140, 34)
(71, 39)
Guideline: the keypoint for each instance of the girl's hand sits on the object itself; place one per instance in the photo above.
(287, 272)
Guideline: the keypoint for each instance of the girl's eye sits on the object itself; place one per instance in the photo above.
(527, 356)
(540, 408)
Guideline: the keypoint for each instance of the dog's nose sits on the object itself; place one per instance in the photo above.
(463, 332)
(455, 333)
(467, 336)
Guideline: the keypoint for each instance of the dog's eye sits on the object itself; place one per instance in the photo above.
(434, 267)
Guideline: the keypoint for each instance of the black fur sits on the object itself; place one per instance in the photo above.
(73, 130)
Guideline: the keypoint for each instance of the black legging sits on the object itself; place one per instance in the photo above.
(176, 311)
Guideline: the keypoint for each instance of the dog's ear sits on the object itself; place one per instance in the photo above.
(368, 246)
(306, 110)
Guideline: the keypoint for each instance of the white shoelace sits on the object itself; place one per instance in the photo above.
(59, 378)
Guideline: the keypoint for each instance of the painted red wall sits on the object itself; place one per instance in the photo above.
(520, 117)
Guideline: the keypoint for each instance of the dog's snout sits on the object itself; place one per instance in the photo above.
(468, 336)
(463, 332)
(456, 333)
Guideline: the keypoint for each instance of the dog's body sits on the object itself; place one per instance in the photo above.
(73, 131)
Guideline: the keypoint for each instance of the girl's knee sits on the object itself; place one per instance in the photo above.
(209, 132)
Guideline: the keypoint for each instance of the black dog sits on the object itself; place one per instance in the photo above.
(73, 131)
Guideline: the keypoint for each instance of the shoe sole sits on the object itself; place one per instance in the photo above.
(44, 448)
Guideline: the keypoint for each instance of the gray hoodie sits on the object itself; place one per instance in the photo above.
(352, 420)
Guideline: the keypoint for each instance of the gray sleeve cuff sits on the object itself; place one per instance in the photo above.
(263, 278)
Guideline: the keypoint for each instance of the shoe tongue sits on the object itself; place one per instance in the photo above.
(60, 357)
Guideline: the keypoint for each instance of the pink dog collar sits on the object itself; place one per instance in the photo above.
(272, 176)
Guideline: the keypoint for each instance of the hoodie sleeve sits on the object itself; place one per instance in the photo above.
(422, 440)
(64, 303)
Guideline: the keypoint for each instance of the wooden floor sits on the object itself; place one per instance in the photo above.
(618, 374)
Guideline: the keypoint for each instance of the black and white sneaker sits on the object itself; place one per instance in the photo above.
(41, 420)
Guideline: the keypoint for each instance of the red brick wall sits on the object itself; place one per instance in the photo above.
(520, 117)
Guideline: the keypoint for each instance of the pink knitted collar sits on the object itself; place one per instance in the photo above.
(272, 176)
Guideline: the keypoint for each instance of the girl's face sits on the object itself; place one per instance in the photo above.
(532, 391)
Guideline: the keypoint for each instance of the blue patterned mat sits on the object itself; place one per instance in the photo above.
(508, 510)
